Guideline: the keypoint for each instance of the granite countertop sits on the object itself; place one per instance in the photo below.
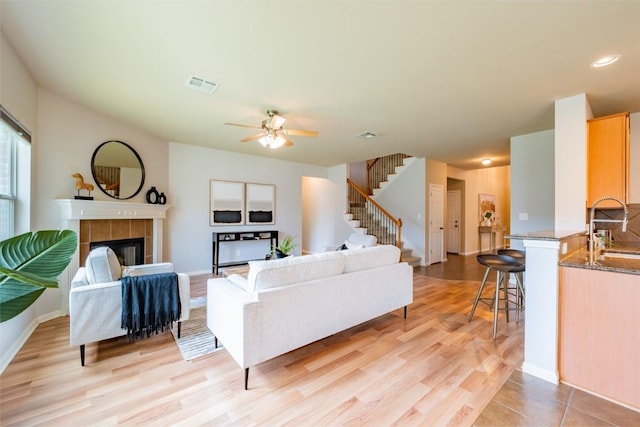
(580, 259)
(545, 235)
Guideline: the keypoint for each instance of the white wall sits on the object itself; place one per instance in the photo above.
(190, 170)
(571, 115)
(68, 134)
(318, 214)
(533, 183)
(405, 198)
(18, 94)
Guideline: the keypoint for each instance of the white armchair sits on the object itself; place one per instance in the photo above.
(95, 310)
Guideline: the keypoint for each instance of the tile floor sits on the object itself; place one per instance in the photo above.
(525, 400)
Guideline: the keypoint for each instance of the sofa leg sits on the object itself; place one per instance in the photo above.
(246, 378)
(179, 329)
(82, 354)
(405, 311)
(215, 342)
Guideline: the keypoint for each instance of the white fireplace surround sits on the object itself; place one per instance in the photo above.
(72, 211)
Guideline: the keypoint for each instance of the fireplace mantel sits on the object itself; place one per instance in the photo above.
(73, 211)
(91, 209)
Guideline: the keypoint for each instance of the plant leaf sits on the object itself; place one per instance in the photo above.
(29, 278)
(15, 297)
(30, 262)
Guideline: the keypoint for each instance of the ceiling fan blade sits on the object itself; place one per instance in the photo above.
(244, 126)
(277, 121)
(300, 132)
(252, 137)
(287, 141)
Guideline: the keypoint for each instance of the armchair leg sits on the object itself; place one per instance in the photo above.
(215, 342)
(405, 311)
(246, 378)
(82, 354)
(179, 328)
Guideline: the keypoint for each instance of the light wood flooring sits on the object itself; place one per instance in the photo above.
(434, 368)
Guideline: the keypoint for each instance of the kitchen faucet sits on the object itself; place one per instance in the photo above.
(592, 220)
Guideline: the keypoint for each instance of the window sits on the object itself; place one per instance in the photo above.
(15, 153)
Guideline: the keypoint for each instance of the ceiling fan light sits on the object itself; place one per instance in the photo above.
(271, 141)
(605, 60)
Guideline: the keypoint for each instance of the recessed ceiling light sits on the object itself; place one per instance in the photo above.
(486, 162)
(367, 135)
(605, 60)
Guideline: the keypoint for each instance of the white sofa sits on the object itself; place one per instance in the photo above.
(95, 309)
(288, 303)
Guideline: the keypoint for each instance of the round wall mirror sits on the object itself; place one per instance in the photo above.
(117, 169)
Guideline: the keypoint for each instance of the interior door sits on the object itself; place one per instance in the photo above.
(436, 223)
(453, 221)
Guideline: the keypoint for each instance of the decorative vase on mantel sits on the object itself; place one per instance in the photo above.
(487, 222)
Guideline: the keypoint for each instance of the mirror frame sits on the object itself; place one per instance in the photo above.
(134, 152)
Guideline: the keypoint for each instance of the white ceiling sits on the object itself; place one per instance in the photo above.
(450, 81)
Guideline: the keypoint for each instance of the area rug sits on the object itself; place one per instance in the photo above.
(196, 340)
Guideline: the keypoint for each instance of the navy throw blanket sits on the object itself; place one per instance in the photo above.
(150, 303)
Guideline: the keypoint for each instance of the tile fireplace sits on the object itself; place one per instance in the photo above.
(100, 221)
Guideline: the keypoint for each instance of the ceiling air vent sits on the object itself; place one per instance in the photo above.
(367, 135)
(201, 85)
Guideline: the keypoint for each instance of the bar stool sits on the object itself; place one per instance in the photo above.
(520, 256)
(503, 265)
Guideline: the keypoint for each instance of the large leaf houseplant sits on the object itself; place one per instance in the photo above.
(30, 263)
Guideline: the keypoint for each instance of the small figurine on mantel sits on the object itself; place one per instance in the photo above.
(81, 185)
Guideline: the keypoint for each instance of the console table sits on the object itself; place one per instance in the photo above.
(234, 236)
(491, 231)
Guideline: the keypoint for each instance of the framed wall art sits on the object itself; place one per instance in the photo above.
(260, 203)
(486, 208)
(226, 202)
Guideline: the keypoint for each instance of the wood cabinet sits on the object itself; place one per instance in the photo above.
(598, 332)
(608, 159)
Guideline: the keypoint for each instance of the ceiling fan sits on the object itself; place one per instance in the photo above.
(272, 134)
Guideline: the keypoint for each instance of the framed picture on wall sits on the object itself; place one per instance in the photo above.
(486, 208)
(226, 202)
(260, 203)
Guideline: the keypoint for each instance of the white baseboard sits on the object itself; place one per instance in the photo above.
(10, 353)
(198, 272)
(552, 377)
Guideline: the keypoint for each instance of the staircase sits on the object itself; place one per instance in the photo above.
(365, 216)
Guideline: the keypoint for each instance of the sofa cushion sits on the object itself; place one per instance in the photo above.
(286, 271)
(351, 245)
(102, 266)
(375, 256)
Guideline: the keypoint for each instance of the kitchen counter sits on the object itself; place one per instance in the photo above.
(545, 235)
(580, 259)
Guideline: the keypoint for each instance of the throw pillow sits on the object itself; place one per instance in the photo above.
(350, 245)
(102, 266)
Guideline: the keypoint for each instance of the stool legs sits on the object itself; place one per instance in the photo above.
(501, 285)
(475, 303)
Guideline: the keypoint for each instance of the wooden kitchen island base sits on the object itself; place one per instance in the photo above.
(599, 333)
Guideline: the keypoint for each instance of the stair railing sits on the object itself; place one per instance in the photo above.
(377, 217)
(379, 168)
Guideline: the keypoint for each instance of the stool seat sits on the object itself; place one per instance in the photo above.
(515, 253)
(503, 264)
(506, 263)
